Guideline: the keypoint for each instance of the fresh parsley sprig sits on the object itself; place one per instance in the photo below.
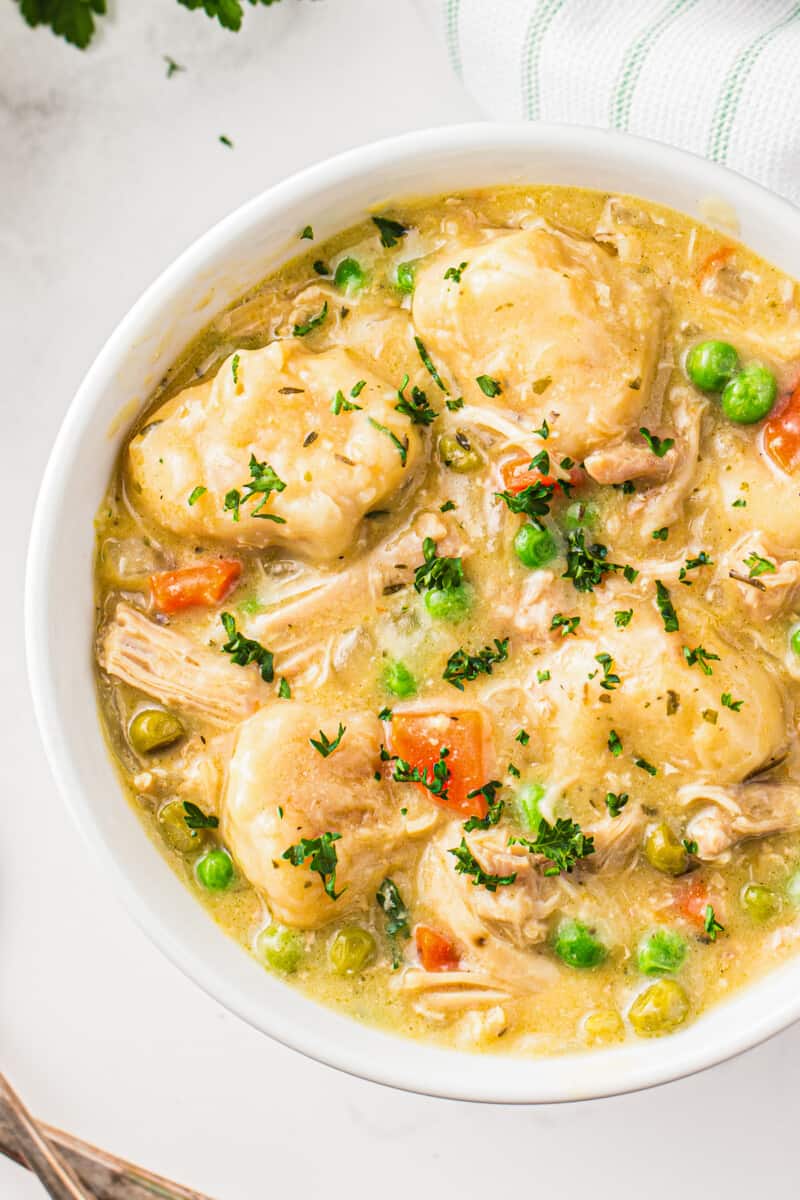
(323, 859)
(244, 650)
(263, 481)
(462, 666)
(563, 844)
(437, 572)
(324, 745)
(415, 406)
(467, 864)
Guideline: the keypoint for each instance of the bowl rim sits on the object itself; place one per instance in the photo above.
(426, 1070)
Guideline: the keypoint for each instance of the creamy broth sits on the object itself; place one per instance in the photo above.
(498, 497)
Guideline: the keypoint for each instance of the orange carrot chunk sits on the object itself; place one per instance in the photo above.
(782, 434)
(204, 583)
(436, 952)
(517, 475)
(712, 263)
(418, 737)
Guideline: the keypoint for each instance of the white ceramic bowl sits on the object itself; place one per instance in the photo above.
(234, 255)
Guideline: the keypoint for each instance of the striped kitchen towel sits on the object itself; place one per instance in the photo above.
(718, 77)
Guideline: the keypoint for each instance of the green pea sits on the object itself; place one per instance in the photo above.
(449, 604)
(576, 945)
(349, 276)
(280, 948)
(534, 545)
(351, 950)
(750, 395)
(581, 515)
(215, 870)
(527, 800)
(664, 852)
(175, 831)
(405, 276)
(604, 1026)
(458, 454)
(398, 680)
(710, 365)
(794, 641)
(153, 729)
(793, 888)
(661, 952)
(659, 1009)
(760, 903)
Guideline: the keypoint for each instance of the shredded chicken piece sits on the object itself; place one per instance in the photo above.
(768, 593)
(663, 504)
(177, 671)
(729, 815)
(616, 839)
(630, 460)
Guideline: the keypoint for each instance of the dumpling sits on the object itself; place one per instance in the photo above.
(275, 407)
(568, 333)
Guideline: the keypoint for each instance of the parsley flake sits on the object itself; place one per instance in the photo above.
(711, 924)
(462, 666)
(390, 231)
(622, 617)
(659, 446)
(455, 273)
(427, 362)
(615, 802)
(263, 481)
(324, 745)
(415, 407)
(666, 608)
(244, 650)
(701, 657)
(759, 566)
(729, 702)
(322, 853)
(467, 864)
(437, 573)
(490, 387)
(563, 844)
(196, 819)
(195, 495)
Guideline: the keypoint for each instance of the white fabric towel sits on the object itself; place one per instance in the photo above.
(718, 77)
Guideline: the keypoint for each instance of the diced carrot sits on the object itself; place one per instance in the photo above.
(436, 952)
(517, 475)
(712, 263)
(691, 898)
(418, 737)
(204, 583)
(782, 434)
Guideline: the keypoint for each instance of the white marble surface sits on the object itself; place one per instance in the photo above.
(107, 171)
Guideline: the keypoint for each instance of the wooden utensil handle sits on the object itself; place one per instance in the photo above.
(98, 1175)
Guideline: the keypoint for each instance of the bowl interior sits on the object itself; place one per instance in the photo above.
(59, 619)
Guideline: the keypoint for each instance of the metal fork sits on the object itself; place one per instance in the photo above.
(73, 1170)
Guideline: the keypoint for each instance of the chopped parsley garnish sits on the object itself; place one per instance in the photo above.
(244, 650)
(759, 566)
(455, 273)
(489, 387)
(701, 657)
(385, 714)
(542, 676)
(172, 66)
(448, 506)
(400, 446)
(690, 846)
(390, 231)
(462, 666)
(615, 802)
(312, 323)
(310, 437)
(427, 362)
(494, 806)
(541, 463)
(666, 608)
(543, 431)
(263, 481)
(534, 500)
(512, 770)
(710, 715)
(322, 853)
(567, 625)
(284, 691)
(391, 903)
(324, 745)
(702, 560)
(658, 445)
(523, 737)
(455, 405)
(610, 681)
(563, 844)
(541, 385)
(196, 819)
(467, 864)
(195, 495)
(622, 617)
(740, 503)
(661, 535)
(235, 368)
(226, 141)
(711, 924)
(358, 388)
(437, 780)
(437, 573)
(321, 267)
(644, 765)
(729, 702)
(307, 233)
(586, 565)
(415, 407)
(340, 404)
(615, 743)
